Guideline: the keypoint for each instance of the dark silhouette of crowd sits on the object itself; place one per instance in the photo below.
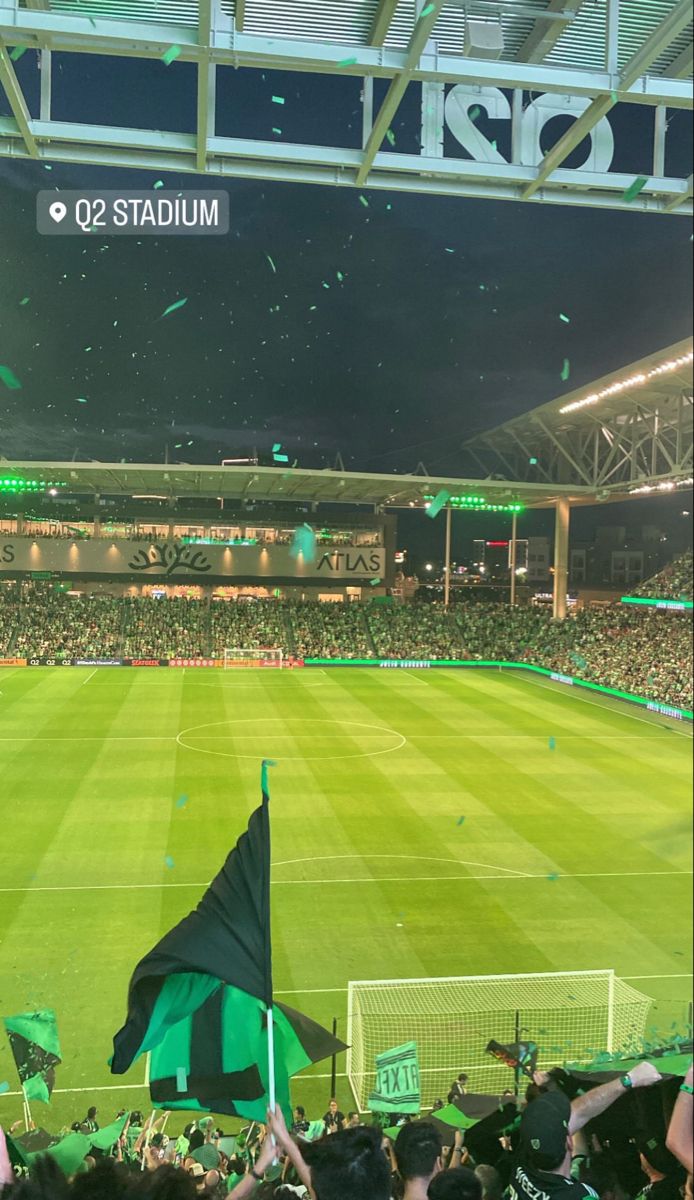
(553, 1143)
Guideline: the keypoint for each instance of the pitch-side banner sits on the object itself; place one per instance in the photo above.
(171, 560)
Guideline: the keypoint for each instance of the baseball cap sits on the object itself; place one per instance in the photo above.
(544, 1127)
(658, 1155)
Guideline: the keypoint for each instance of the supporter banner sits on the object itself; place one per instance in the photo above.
(13, 662)
(172, 560)
(397, 1087)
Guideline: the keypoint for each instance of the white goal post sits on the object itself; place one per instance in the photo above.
(240, 656)
(571, 1015)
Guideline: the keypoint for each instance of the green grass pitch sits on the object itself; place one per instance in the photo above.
(374, 874)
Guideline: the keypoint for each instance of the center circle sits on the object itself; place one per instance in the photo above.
(262, 742)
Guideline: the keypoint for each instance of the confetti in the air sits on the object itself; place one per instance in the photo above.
(374, 582)
(635, 189)
(566, 370)
(17, 53)
(170, 55)
(563, 317)
(169, 862)
(460, 821)
(24, 301)
(554, 875)
(475, 113)
(430, 8)
(437, 503)
(278, 99)
(173, 307)
(274, 268)
(80, 400)
(348, 62)
(390, 136)
(8, 377)
(552, 743)
(614, 97)
(158, 184)
(4, 1087)
(364, 201)
(181, 802)
(276, 131)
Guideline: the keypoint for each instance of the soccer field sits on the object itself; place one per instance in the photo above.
(123, 789)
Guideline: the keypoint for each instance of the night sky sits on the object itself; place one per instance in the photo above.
(389, 333)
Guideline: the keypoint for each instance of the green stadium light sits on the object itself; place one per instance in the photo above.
(480, 504)
(12, 485)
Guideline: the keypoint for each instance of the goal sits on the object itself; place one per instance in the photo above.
(571, 1015)
(243, 657)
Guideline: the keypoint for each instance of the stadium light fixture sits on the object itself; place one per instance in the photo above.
(477, 504)
(624, 385)
(13, 485)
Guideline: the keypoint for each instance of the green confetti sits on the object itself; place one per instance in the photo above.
(80, 400)
(390, 136)
(170, 55)
(635, 189)
(326, 285)
(437, 503)
(24, 301)
(9, 379)
(87, 349)
(340, 276)
(277, 131)
(553, 875)
(348, 62)
(278, 99)
(364, 201)
(448, 250)
(614, 97)
(47, 167)
(430, 8)
(566, 370)
(173, 307)
(17, 53)
(460, 820)
(374, 582)
(563, 317)
(4, 1087)
(274, 268)
(169, 862)
(158, 184)
(475, 113)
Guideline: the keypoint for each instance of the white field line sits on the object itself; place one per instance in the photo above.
(131, 887)
(576, 694)
(90, 676)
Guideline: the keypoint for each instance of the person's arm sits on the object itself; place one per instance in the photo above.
(249, 1182)
(593, 1103)
(680, 1139)
(456, 1157)
(6, 1172)
(279, 1132)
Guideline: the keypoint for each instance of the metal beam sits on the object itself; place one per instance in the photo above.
(677, 201)
(206, 85)
(15, 96)
(382, 20)
(546, 33)
(638, 64)
(682, 66)
(149, 40)
(418, 40)
(240, 14)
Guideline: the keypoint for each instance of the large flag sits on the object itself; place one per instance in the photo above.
(34, 1043)
(517, 1054)
(397, 1081)
(199, 1000)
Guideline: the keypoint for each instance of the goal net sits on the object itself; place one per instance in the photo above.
(245, 657)
(571, 1015)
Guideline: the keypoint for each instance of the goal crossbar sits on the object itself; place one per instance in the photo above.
(253, 656)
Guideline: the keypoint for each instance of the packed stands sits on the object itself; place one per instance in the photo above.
(251, 625)
(166, 628)
(348, 1157)
(644, 652)
(330, 630)
(674, 582)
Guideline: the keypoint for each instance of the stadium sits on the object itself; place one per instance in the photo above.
(346, 813)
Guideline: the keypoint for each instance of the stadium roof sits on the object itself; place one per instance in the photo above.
(521, 63)
(283, 485)
(629, 432)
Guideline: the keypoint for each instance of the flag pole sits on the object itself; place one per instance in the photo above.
(271, 1070)
(27, 1110)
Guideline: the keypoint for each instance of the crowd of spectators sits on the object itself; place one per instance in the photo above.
(551, 1145)
(166, 628)
(248, 624)
(53, 624)
(631, 649)
(329, 630)
(674, 582)
(414, 630)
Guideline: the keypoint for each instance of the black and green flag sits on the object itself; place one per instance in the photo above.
(199, 1000)
(34, 1043)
